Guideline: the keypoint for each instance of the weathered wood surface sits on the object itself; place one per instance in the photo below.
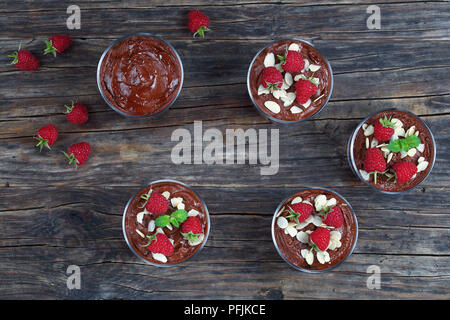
(52, 216)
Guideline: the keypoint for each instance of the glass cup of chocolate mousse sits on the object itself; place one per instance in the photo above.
(140, 75)
(289, 81)
(392, 151)
(314, 230)
(166, 223)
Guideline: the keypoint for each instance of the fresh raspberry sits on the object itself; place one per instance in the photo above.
(300, 212)
(77, 113)
(383, 130)
(198, 22)
(24, 60)
(374, 162)
(292, 62)
(192, 224)
(305, 88)
(404, 171)
(47, 136)
(333, 217)
(78, 153)
(320, 238)
(160, 244)
(57, 44)
(157, 203)
(271, 78)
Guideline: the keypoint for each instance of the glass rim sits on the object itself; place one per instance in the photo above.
(268, 116)
(351, 158)
(100, 62)
(310, 270)
(162, 265)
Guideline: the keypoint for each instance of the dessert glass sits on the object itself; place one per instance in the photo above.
(351, 154)
(308, 270)
(132, 246)
(250, 85)
(99, 75)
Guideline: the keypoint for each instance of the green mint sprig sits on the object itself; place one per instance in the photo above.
(177, 217)
(404, 144)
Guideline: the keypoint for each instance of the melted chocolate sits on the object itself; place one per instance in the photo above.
(140, 75)
(408, 120)
(317, 100)
(182, 249)
(291, 248)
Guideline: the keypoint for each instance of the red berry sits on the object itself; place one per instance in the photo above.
(77, 113)
(321, 238)
(78, 153)
(198, 22)
(47, 136)
(24, 60)
(161, 244)
(293, 62)
(404, 171)
(302, 211)
(192, 224)
(334, 218)
(304, 90)
(271, 78)
(383, 130)
(157, 203)
(374, 161)
(57, 44)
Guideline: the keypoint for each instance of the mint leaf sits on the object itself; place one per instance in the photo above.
(174, 221)
(404, 144)
(162, 221)
(180, 215)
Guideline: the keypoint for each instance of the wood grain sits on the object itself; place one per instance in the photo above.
(52, 215)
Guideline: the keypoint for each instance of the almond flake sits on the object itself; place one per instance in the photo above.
(367, 143)
(279, 93)
(314, 67)
(303, 237)
(374, 143)
(364, 126)
(269, 60)
(400, 132)
(140, 233)
(151, 226)
(288, 79)
(412, 152)
(166, 194)
(306, 67)
(262, 90)
(197, 241)
(298, 77)
(296, 200)
(307, 104)
(294, 47)
(422, 166)
(320, 201)
(295, 110)
(389, 157)
(403, 154)
(420, 159)
(140, 217)
(159, 257)
(291, 231)
(193, 213)
(180, 206)
(272, 106)
(364, 174)
(410, 131)
(397, 123)
(369, 130)
(282, 222)
(176, 201)
(421, 147)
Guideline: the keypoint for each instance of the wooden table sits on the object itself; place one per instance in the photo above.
(53, 216)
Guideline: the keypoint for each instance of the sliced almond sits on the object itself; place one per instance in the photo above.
(320, 201)
(193, 213)
(291, 231)
(303, 237)
(151, 226)
(296, 200)
(262, 90)
(389, 157)
(279, 93)
(272, 106)
(420, 159)
(367, 143)
(369, 130)
(269, 60)
(422, 166)
(140, 233)
(314, 67)
(364, 174)
(294, 47)
(282, 222)
(288, 79)
(307, 104)
(374, 143)
(159, 257)
(412, 152)
(166, 194)
(306, 67)
(421, 147)
(295, 110)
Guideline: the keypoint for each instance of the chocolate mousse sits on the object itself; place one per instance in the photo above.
(166, 223)
(306, 81)
(403, 144)
(140, 75)
(315, 229)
